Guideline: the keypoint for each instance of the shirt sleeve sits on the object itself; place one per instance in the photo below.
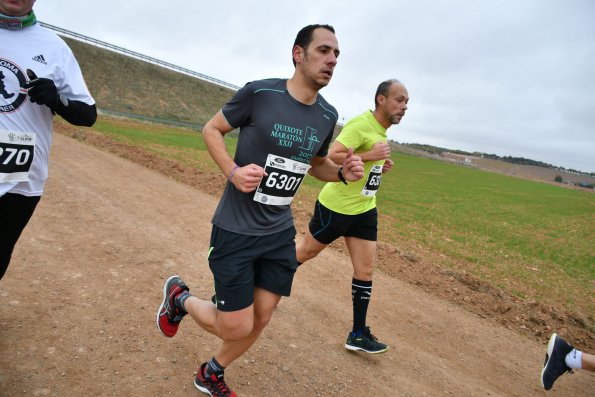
(351, 135)
(238, 111)
(71, 82)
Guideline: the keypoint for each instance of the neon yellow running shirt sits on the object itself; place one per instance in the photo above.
(360, 133)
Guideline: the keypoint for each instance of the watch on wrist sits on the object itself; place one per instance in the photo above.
(340, 174)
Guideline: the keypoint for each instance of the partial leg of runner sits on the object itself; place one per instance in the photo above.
(363, 256)
(211, 380)
(308, 247)
(15, 212)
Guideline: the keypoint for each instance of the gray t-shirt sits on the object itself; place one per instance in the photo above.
(273, 123)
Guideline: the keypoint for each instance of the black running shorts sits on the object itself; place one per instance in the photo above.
(327, 225)
(240, 262)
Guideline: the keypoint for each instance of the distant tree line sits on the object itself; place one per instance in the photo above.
(436, 150)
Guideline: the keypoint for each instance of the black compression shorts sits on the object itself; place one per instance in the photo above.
(327, 225)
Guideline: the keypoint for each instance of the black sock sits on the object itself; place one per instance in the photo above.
(361, 292)
(213, 367)
(180, 299)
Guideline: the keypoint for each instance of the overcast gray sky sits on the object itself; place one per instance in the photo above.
(509, 77)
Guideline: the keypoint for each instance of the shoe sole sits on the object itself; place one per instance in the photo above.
(163, 303)
(550, 350)
(202, 389)
(359, 349)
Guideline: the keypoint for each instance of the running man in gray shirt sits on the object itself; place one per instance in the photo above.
(285, 130)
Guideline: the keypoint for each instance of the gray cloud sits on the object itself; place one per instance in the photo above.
(505, 77)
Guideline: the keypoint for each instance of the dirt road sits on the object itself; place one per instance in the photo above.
(77, 307)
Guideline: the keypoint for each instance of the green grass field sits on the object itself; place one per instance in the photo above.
(531, 239)
(501, 228)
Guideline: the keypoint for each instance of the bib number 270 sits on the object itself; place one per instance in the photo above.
(20, 156)
(17, 150)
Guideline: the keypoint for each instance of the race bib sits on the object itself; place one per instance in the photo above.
(373, 182)
(284, 177)
(16, 155)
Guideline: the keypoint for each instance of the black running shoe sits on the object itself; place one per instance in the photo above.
(214, 385)
(168, 315)
(555, 361)
(364, 341)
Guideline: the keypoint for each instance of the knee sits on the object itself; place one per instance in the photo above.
(260, 322)
(236, 330)
(363, 273)
(306, 253)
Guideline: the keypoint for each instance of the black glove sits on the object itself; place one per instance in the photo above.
(43, 91)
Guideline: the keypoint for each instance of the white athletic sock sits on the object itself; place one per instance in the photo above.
(573, 359)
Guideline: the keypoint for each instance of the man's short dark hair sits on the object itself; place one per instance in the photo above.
(304, 36)
(383, 89)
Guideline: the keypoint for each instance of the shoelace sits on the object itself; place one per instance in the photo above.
(174, 314)
(220, 384)
(369, 335)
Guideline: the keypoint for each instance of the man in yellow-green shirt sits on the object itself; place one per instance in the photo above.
(349, 209)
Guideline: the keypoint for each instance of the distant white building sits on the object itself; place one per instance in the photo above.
(458, 158)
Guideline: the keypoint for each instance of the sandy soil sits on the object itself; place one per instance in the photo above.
(77, 305)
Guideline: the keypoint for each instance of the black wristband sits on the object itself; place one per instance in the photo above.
(341, 177)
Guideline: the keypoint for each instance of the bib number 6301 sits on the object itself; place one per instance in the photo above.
(282, 181)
